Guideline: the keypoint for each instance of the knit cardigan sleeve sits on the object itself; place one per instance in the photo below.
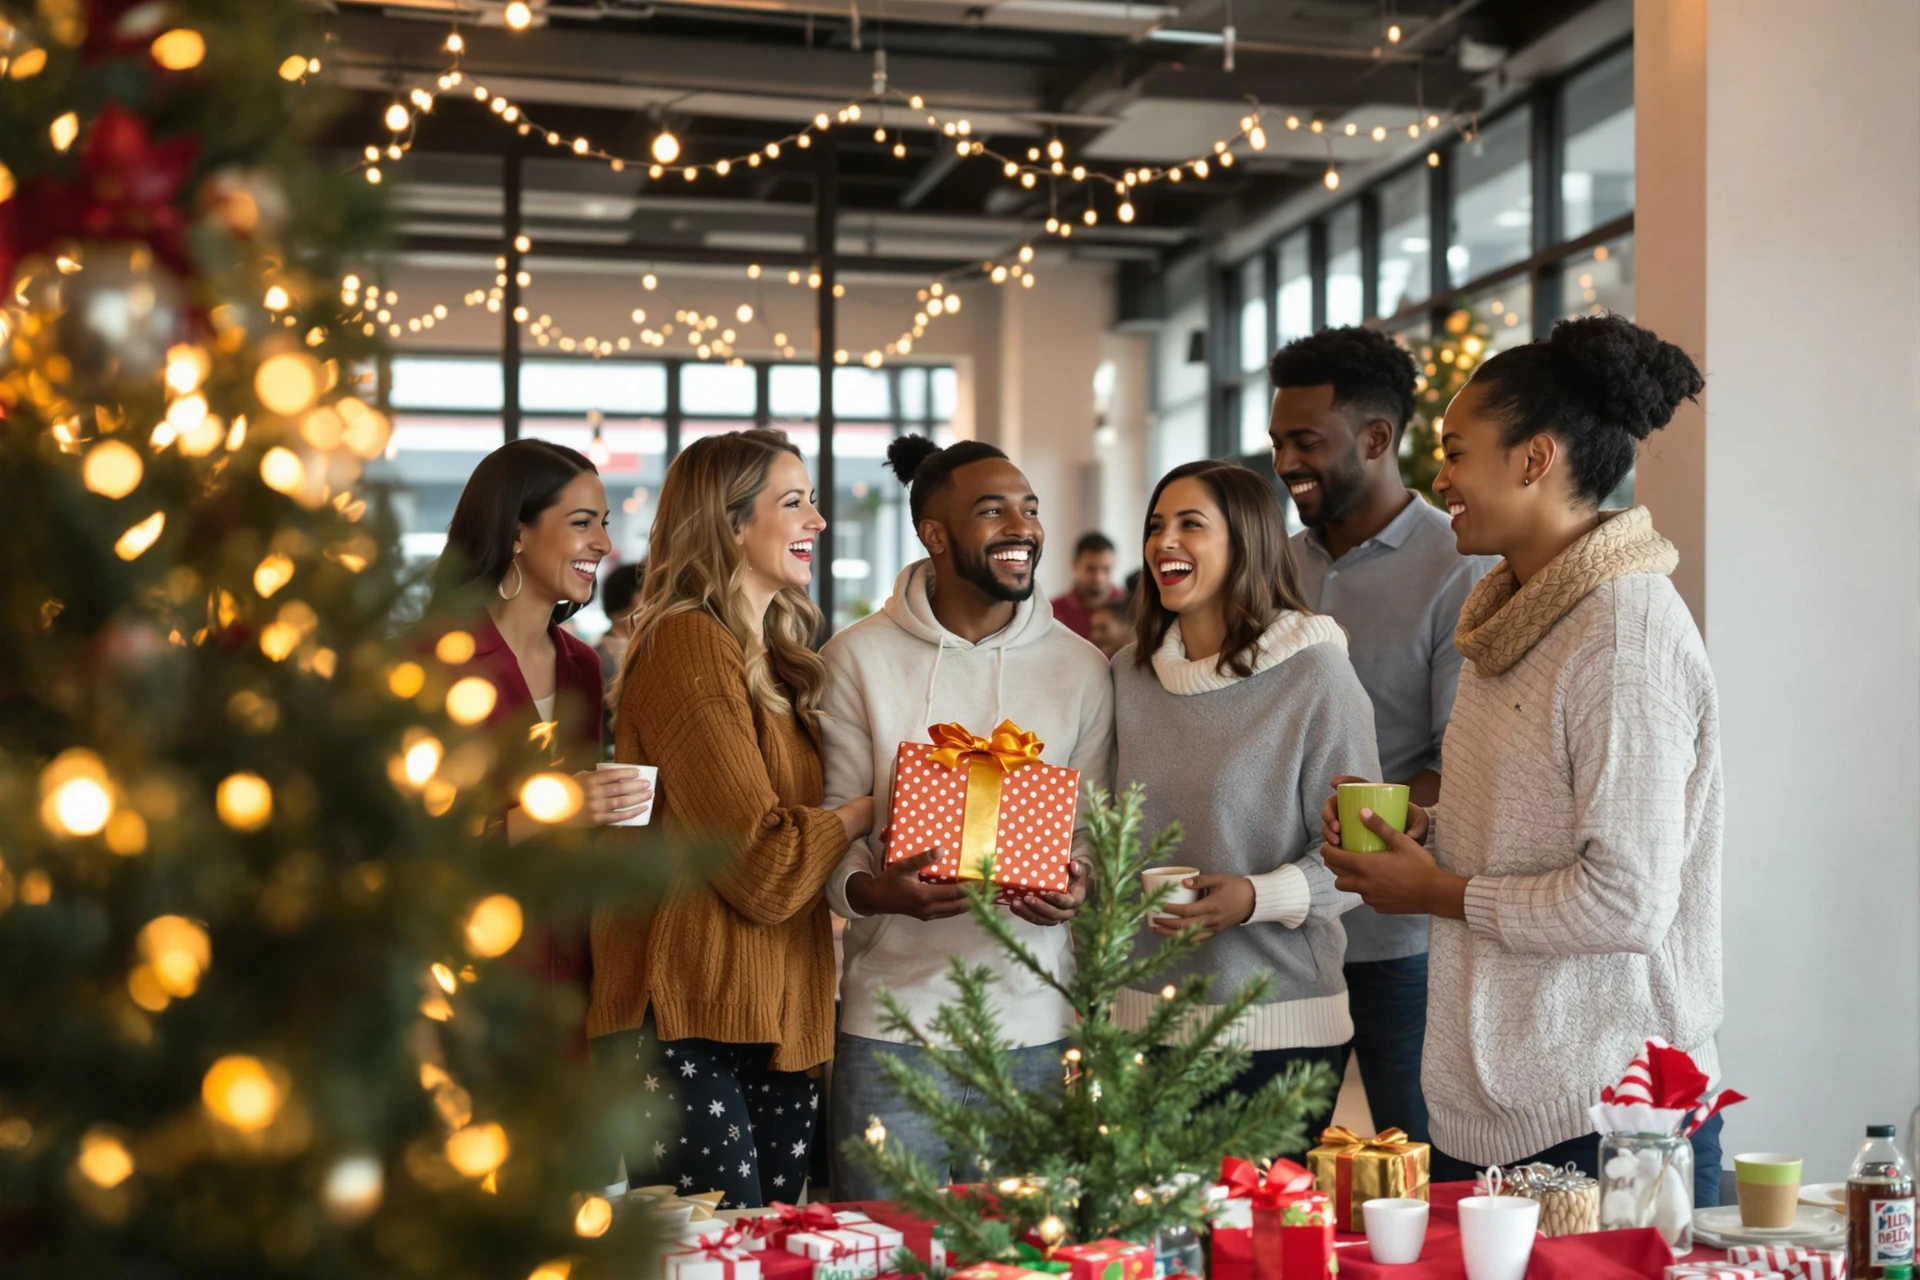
(1631, 734)
(687, 698)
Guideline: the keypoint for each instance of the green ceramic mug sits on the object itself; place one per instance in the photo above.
(1386, 799)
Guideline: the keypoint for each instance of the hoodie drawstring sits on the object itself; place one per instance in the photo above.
(933, 678)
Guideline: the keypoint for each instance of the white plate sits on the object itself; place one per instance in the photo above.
(1812, 1225)
(1825, 1195)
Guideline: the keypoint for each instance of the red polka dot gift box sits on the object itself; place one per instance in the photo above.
(978, 798)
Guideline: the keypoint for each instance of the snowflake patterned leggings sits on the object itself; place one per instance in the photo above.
(726, 1120)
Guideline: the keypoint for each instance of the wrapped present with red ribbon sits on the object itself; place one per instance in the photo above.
(1106, 1260)
(976, 798)
(1354, 1170)
(772, 1227)
(1292, 1220)
(1796, 1262)
(1717, 1271)
(716, 1258)
(778, 1264)
(921, 1237)
(852, 1251)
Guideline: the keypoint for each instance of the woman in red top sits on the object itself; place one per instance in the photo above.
(531, 526)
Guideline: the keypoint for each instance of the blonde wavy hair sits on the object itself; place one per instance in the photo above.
(694, 562)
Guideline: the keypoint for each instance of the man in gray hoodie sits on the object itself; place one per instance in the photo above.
(963, 638)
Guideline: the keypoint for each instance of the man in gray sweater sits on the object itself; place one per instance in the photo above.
(1382, 563)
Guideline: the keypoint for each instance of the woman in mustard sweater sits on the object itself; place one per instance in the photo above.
(719, 1002)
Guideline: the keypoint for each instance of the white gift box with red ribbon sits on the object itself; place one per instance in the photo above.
(1796, 1262)
(701, 1258)
(858, 1250)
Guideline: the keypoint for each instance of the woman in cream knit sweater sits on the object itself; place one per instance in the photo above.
(1572, 866)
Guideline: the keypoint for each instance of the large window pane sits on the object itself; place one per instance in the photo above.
(716, 389)
(1295, 298)
(862, 393)
(1183, 378)
(578, 386)
(426, 465)
(945, 388)
(1405, 241)
(1345, 304)
(1256, 404)
(1600, 281)
(913, 394)
(1506, 311)
(1253, 315)
(1493, 212)
(1596, 183)
(446, 382)
(1181, 436)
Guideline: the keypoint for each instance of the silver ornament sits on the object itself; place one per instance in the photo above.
(114, 319)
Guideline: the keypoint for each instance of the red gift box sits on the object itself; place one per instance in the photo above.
(778, 1264)
(1106, 1260)
(972, 796)
(1292, 1236)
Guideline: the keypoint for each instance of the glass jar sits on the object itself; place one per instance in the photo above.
(1646, 1180)
(1177, 1251)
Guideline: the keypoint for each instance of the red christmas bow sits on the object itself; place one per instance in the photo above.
(1283, 1182)
(787, 1217)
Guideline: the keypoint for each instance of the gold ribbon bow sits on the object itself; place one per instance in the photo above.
(986, 762)
(1391, 1142)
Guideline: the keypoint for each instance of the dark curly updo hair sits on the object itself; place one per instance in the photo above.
(927, 468)
(1372, 376)
(1599, 385)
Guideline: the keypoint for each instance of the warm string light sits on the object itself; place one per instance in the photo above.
(665, 150)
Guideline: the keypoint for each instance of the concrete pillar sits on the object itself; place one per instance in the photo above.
(1778, 239)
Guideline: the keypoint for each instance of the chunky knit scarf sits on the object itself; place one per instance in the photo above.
(1501, 619)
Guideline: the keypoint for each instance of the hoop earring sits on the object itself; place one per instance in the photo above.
(519, 582)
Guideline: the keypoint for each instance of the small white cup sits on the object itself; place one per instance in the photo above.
(648, 773)
(1496, 1236)
(1153, 877)
(1396, 1230)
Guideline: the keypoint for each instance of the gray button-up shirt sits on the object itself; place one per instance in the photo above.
(1398, 595)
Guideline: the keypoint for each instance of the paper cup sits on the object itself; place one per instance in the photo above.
(645, 815)
(1768, 1184)
(1387, 799)
(1496, 1235)
(1396, 1230)
(1153, 877)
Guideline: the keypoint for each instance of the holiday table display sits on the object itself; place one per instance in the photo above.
(1353, 1170)
(260, 931)
(1645, 1122)
(990, 804)
(1793, 1261)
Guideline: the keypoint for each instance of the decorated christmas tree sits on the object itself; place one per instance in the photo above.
(1129, 1143)
(1446, 362)
(259, 930)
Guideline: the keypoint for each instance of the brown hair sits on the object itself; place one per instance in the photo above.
(694, 562)
(1261, 583)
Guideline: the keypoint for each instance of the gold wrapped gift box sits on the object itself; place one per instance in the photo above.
(1354, 1170)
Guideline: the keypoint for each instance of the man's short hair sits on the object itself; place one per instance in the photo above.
(1093, 544)
(620, 586)
(1372, 375)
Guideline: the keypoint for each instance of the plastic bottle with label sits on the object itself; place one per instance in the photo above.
(1880, 1224)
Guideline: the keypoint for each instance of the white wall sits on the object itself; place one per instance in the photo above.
(1778, 237)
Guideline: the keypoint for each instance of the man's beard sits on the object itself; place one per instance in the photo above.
(978, 569)
(1339, 490)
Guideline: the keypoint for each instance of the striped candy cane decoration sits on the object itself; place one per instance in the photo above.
(1636, 1084)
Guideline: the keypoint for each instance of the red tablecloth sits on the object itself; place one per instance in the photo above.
(1605, 1255)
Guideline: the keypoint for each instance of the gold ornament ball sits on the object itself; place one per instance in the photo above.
(113, 320)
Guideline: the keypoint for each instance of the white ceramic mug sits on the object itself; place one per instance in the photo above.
(1496, 1236)
(1396, 1230)
(651, 775)
(1153, 877)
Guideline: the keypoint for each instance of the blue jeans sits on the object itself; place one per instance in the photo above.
(1584, 1154)
(1388, 999)
(863, 1089)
